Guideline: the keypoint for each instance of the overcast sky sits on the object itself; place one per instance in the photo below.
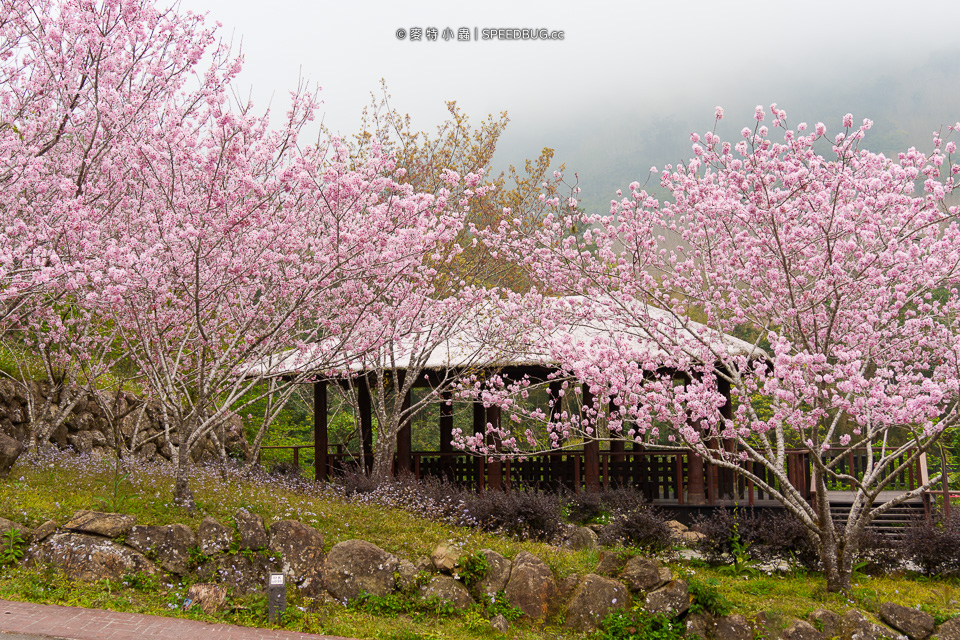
(627, 80)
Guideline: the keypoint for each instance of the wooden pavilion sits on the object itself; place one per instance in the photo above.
(676, 477)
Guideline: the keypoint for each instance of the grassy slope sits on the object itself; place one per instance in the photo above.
(56, 487)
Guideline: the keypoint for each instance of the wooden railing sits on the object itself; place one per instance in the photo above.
(853, 462)
(662, 476)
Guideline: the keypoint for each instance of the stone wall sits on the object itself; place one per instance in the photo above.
(223, 559)
(87, 430)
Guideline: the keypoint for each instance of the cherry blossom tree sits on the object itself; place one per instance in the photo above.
(840, 270)
(81, 84)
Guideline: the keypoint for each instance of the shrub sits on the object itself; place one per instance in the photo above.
(707, 597)
(583, 507)
(771, 536)
(639, 625)
(524, 514)
(622, 500)
(879, 554)
(719, 529)
(644, 527)
(354, 481)
(934, 546)
(286, 469)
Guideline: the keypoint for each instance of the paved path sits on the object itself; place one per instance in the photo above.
(30, 621)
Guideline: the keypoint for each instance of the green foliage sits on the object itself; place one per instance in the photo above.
(707, 597)
(14, 543)
(639, 625)
(196, 557)
(117, 497)
(142, 582)
(474, 621)
(389, 606)
(472, 568)
(739, 553)
(392, 605)
(499, 605)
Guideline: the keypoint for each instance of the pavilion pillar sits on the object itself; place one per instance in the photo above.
(557, 463)
(479, 428)
(320, 437)
(729, 479)
(494, 467)
(591, 447)
(446, 434)
(404, 440)
(617, 449)
(696, 490)
(366, 422)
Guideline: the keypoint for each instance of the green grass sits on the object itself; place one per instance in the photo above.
(56, 487)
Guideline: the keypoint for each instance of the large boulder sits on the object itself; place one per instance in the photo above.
(855, 626)
(643, 574)
(170, 545)
(110, 525)
(301, 549)
(445, 557)
(531, 587)
(582, 538)
(243, 573)
(801, 630)
(594, 600)
(406, 576)
(44, 531)
(568, 585)
(213, 537)
(949, 630)
(90, 558)
(497, 575)
(918, 625)
(672, 599)
(82, 442)
(698, 625)
(612, 563)
(827, 621)
(253, 534)
(448, 590)
(10, 450)
(10, 525)
(353, 566)
(732, 627)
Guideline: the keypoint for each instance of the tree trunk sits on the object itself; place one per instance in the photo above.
(837, 559)
(182, 494)
(383, 456)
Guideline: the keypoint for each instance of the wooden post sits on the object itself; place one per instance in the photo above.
(591, 448)
(479, 427)
(695, 490)
(446, 434)
(404, 437)
(494, 467)
(678, 462)
(728, 478)
(366, 422)
(617, 457)
(320, 441)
